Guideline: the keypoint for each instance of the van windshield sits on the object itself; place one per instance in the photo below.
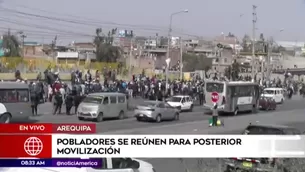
(214, 87)
(93, 99)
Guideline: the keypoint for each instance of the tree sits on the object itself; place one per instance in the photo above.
(235, 70)
(246, 41)
(11, 45)
(232, 71)
(231, 35)
(105, 51)
(261, 37)
(228, 72)
(192, 62)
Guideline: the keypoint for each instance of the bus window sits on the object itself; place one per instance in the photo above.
(244, 91)
(214, 87)
(3, 96)
(23, 95)
(231, 91)
(12, 96)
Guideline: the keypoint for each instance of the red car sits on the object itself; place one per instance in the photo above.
(267, 103)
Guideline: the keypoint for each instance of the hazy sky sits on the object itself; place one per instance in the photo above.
(206, 18)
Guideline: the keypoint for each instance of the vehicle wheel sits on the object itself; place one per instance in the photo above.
(100, 117)
(158, 119)
(176, 117)
(235, 112)
(80, 118)
(191, 108)
(268, 108)
(139, 119)
(5, 118)
(121, 115)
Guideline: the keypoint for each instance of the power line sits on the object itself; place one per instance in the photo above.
(90, 19)
(35, 31)
(93, 23)
(74, 21)
(44, 27)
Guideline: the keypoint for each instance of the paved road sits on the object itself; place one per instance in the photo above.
(290, 113)
(216, 165)
(131, 123)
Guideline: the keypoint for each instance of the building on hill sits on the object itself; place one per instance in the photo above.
(82, 47)
(33, 50)
(231, 41)
(73, 58)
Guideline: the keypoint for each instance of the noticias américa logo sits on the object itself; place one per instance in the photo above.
(33, 146)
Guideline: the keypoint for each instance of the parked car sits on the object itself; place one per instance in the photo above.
(267, 103)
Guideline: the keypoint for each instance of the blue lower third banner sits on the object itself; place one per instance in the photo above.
(67, 162)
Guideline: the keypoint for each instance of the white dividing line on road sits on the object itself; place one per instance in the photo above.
(201, 122)
(49, 117)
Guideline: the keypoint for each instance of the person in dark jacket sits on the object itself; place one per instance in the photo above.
(77, 100)
(34, 98)
(18, 75)
(57, 102)
(201, 94)
(40, 91)
(69, 103)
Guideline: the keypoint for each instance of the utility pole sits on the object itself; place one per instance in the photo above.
(253, 40)
(269, 49)
(218, 64)
(219, 54)
(130, 55)
(169, 41)
(23, 36)
(53, 49)
(181, 59)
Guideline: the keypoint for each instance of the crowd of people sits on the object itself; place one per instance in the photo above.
(56, 91)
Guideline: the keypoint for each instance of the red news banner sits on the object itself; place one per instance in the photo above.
(47, 128)
(35, 140)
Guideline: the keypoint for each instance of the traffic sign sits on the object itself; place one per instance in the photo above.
(214, 97)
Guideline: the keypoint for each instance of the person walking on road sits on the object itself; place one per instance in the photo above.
(57, 102)
(34, 98)
(77, 101)
(69, 103)
(201, 95)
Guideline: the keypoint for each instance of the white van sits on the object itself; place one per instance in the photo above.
(109, 165)
(275, 93)
(99, 106)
